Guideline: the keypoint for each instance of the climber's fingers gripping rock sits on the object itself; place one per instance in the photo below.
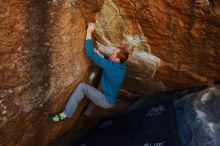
(91, 27)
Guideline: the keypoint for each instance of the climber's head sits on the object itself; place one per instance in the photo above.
(119, 55)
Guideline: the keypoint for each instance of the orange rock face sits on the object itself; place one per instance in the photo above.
(173, 45)
(42, 60)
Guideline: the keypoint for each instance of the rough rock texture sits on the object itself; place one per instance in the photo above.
(197, 116)
(173, 45)
(41, 63)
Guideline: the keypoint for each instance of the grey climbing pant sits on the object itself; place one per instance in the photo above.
(85, 90)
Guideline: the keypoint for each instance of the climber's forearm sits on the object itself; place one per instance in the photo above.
(88, 43)
(89, 31)
(88, 35)
(97, 59)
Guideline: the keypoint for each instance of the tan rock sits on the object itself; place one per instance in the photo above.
(173, 45)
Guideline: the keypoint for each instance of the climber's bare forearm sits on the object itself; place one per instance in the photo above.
(88, 35)
(90, 29)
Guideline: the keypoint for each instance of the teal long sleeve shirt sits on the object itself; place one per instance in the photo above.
(113, 73)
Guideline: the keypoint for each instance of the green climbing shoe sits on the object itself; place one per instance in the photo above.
(57, 117)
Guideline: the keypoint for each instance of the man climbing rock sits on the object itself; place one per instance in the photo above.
(113, 74)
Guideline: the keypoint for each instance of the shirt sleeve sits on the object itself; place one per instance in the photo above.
(99, 61)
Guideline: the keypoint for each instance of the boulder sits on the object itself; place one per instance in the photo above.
(172, 45)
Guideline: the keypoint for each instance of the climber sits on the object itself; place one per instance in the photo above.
(113, 74)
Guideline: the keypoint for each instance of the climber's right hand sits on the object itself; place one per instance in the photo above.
(91, 27)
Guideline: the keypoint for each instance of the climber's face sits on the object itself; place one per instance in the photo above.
(113, 57)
